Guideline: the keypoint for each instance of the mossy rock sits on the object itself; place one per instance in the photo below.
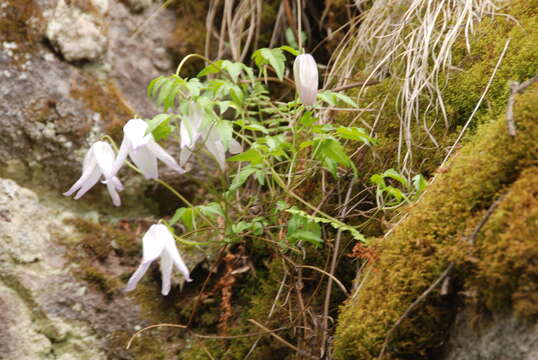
(419, 249)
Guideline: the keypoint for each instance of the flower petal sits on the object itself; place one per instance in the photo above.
(184, 156)
(137, 275)
(104, 155)
(135, 131)
(171, 249)
(235, 147)
(162, 155)
(113, 191)
(217, 150)
(146, 161)
(125, 147)
(88, 166)
(153, 242)
(166, 272)
(92, 179)
(305, 73)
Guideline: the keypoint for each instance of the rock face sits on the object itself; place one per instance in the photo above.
(39, 299)
(78, 35)
(52, 110)
(502, 337)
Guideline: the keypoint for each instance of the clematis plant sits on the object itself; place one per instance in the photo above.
(305, 73)
(140, 146)
(159, 242)
(196, 127)
(98, 163)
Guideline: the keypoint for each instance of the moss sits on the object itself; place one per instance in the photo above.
(418, 249)
(21, 23)
(106, 99)
(507, 273)
(519, 64)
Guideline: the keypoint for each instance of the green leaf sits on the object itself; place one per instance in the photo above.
(308, 236)
(393, 174)
(154, 85)
(159, 126)
(211, 69)
(240, 178)
(333, 150)
(289, 49)
(251, 155)
(419, 182)
(274, 57)
(355, 133)
(186, 216)
(378, 180)
(212, 210)
(331, 98)
(233, 68)
(357, 235)
(307, 119)
(225, 130)
(346, 99)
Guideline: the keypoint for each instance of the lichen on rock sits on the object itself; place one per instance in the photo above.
(76, 34)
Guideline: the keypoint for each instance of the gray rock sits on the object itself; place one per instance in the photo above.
(33, 279)
(78, 35)
(502, 337)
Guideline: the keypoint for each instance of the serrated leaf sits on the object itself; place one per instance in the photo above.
(355, 133)
(274, 57)
(252, 155)
(159, 126)
(233, 68)
(211, 69)
(212, 209)
(240, 178)
(154, 86)
(186, 216)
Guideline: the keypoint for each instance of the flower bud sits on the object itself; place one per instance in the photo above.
(305, 73)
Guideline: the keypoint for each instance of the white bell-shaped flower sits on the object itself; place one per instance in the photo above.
(143, 150)
(159, 242)
(305, 73)
(98, 162)
(194, 128)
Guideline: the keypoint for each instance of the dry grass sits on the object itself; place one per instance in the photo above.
(410, 41)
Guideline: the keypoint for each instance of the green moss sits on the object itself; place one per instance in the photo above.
(507, 272)
(418, 249)
(519, 64)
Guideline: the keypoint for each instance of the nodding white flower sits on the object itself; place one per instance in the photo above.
(305, 73)
(159, 242)
(193, 128)
(143, 150)
(98, 162)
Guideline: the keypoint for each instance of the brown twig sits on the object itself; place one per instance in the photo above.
(515, 88)
(281, 339)
(354, 85)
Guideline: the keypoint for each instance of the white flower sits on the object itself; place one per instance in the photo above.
(193, 128)
(98, 162)
(305, 73)
(159, 242)
(143, 150)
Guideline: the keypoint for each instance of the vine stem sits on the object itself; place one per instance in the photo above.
(188, 57)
